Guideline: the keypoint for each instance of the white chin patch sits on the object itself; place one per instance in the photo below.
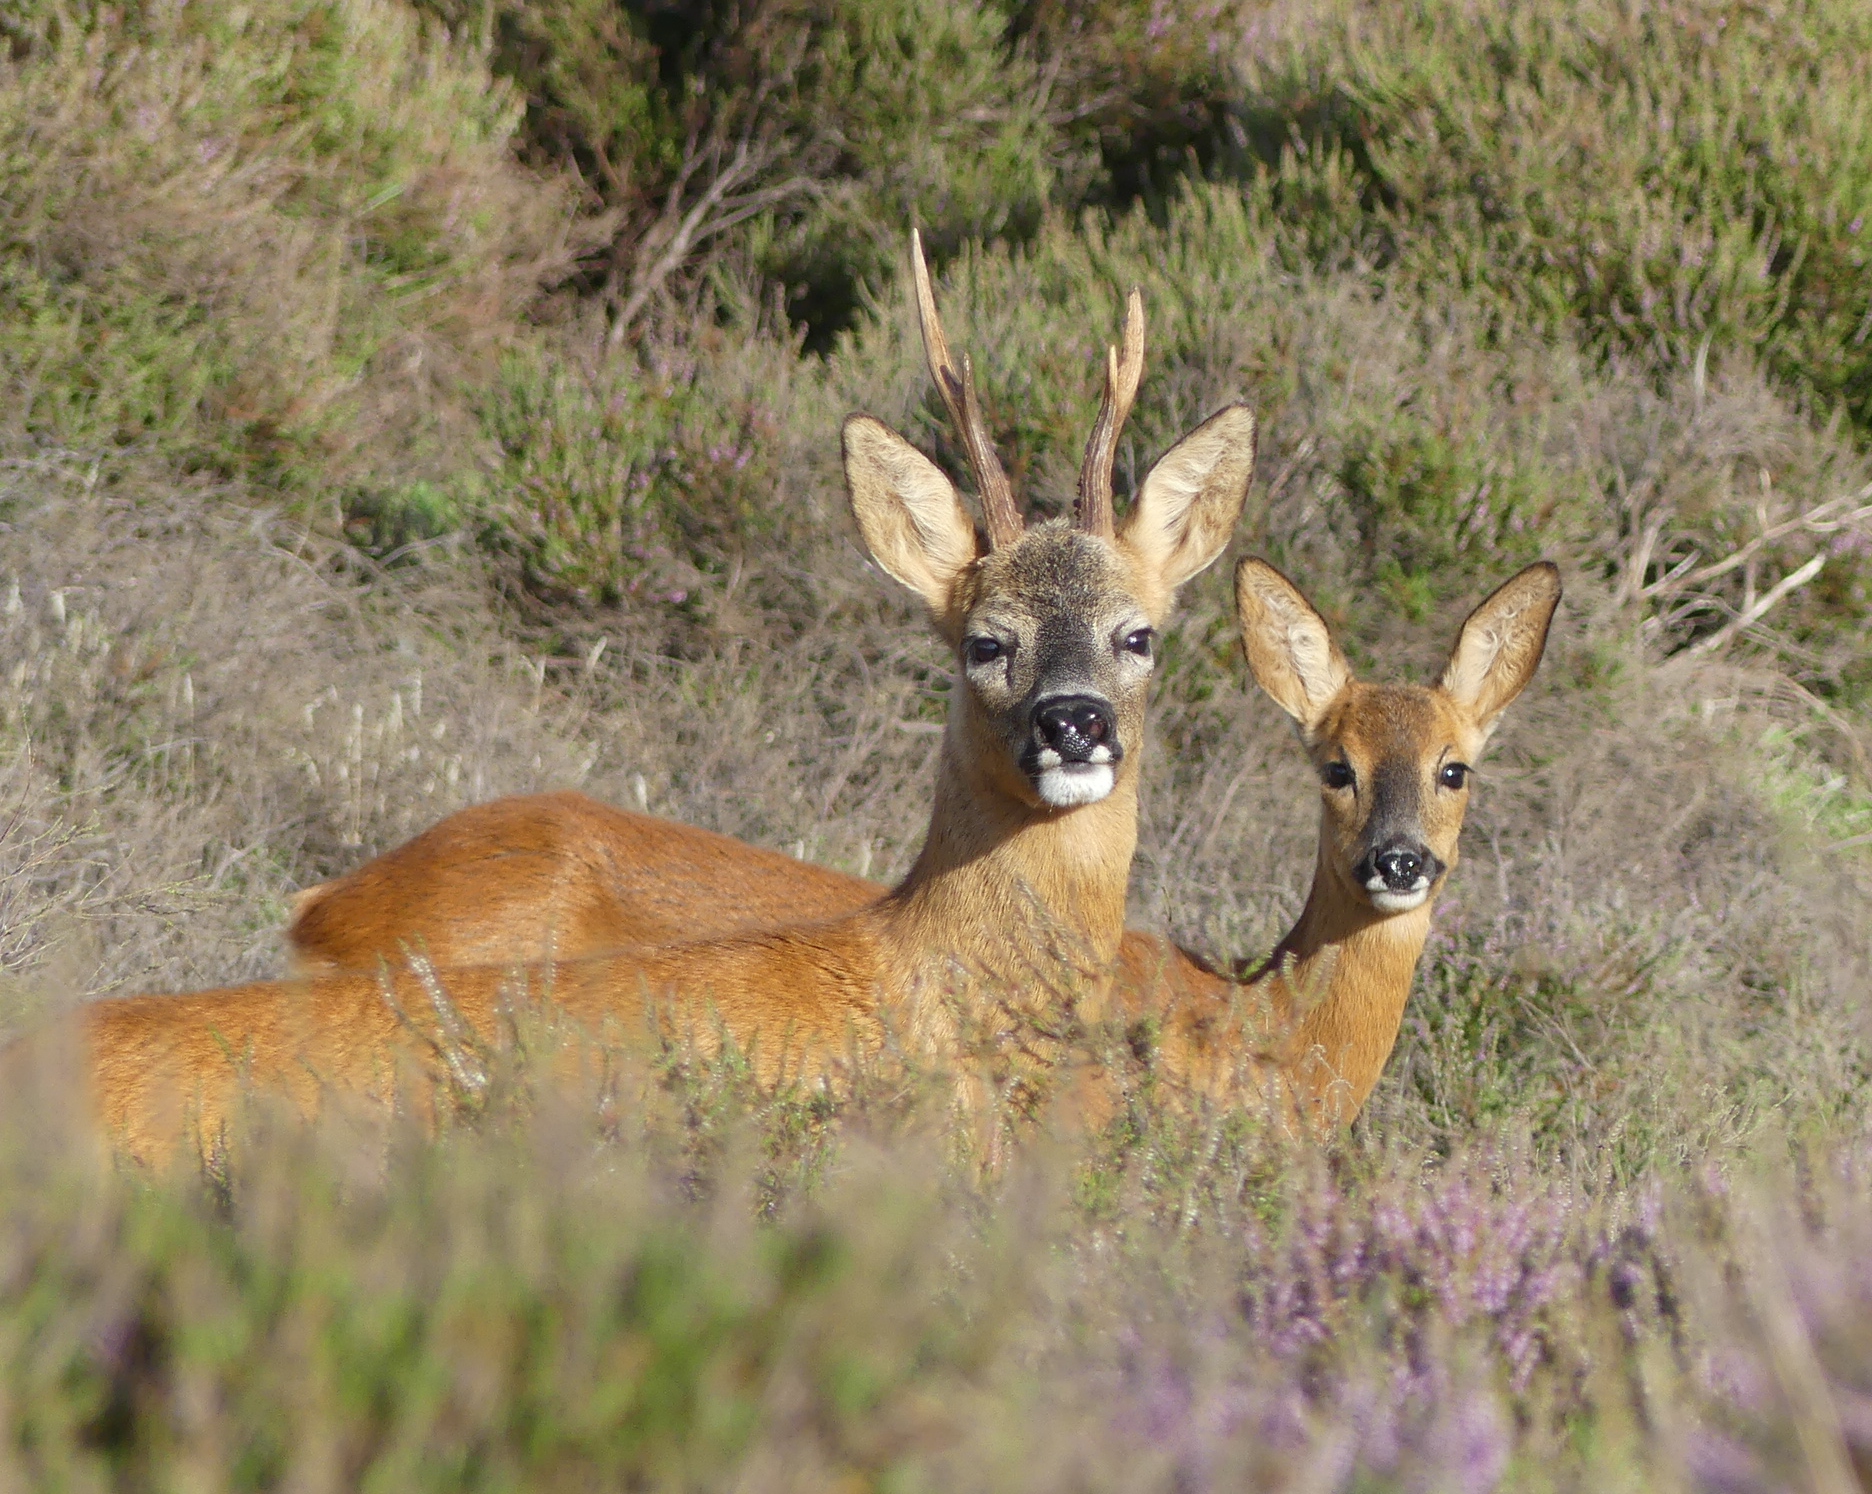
(1071, 784)
(1387, 901)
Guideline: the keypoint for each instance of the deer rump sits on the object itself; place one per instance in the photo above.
(533, 878)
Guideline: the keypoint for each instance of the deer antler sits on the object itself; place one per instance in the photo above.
(999, 515)
(1124, 365)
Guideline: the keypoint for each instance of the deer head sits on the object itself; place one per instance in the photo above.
(1394, 761)
(1054, 625)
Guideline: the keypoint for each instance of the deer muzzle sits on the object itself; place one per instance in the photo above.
(1075, 751)
(1397, 874)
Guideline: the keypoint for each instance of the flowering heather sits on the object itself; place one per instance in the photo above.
(401, 407)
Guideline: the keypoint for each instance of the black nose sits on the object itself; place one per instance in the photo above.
(1400, 866)
(1073, 725)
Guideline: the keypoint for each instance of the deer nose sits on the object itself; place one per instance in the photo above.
(1400, 866)
(1077, 727)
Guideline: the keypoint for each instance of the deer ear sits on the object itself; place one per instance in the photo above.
(1501, 644)
(1290, 649)
(1192, 499)
(908, 511)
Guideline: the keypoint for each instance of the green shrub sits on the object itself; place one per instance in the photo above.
(926, 118)
(1140, 91)
(1673, 177)
(804, 135)
(628, 478)
(268, 241)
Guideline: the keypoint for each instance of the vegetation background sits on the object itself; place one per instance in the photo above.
(406, 404)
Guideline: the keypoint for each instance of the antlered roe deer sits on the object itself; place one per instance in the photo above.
(1054, 630)
(518, 876)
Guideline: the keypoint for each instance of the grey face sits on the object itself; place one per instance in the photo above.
(1057, 655)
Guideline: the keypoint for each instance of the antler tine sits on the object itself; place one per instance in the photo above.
(1124, 366)
(999, 515)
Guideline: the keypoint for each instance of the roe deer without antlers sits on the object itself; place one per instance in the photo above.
(1316, 1023)
(1034, 821)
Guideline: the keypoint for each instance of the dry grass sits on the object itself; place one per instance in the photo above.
(1602, 1224)
(1649, 972)
(210, 709)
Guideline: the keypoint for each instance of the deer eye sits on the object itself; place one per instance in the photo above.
(983, 650)
(1336, 775)
(1140, 642)
(1453, 775)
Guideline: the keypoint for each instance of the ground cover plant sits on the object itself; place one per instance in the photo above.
(374, 441)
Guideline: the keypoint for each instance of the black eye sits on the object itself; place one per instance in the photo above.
(983, 650)
(1453, 775)
(1140, 643)
(1336, 776)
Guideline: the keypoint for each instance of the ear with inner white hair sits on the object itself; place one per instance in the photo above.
(1290, 649)
(908, 511)
(1500, 645)
(1192, 499)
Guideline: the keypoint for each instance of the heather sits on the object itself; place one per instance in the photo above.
(409, 405)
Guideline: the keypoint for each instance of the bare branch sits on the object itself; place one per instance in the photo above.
(1753, 612)
(1822, 518)
(648, 278)
(680, 232)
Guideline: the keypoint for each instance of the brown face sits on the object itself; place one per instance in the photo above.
(1056, 647)
(1394, 760)
(1054, 627)
(1394, 763)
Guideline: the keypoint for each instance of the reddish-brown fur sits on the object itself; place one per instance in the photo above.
(1030, 839)
(1315, 1028)
(1322, 1019)
(525, 878)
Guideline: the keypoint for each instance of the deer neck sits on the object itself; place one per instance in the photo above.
(1337, 985)
(1009, 892)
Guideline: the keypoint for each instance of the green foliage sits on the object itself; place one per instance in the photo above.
(591, 80)
(602, 1335)
(1421, 500)
(1673, 178)
(927, 119)
(805, 133)
(266, 241)
(634, 477)
(1140, 91)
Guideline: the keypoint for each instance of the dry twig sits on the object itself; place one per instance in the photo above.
(1684, 589)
